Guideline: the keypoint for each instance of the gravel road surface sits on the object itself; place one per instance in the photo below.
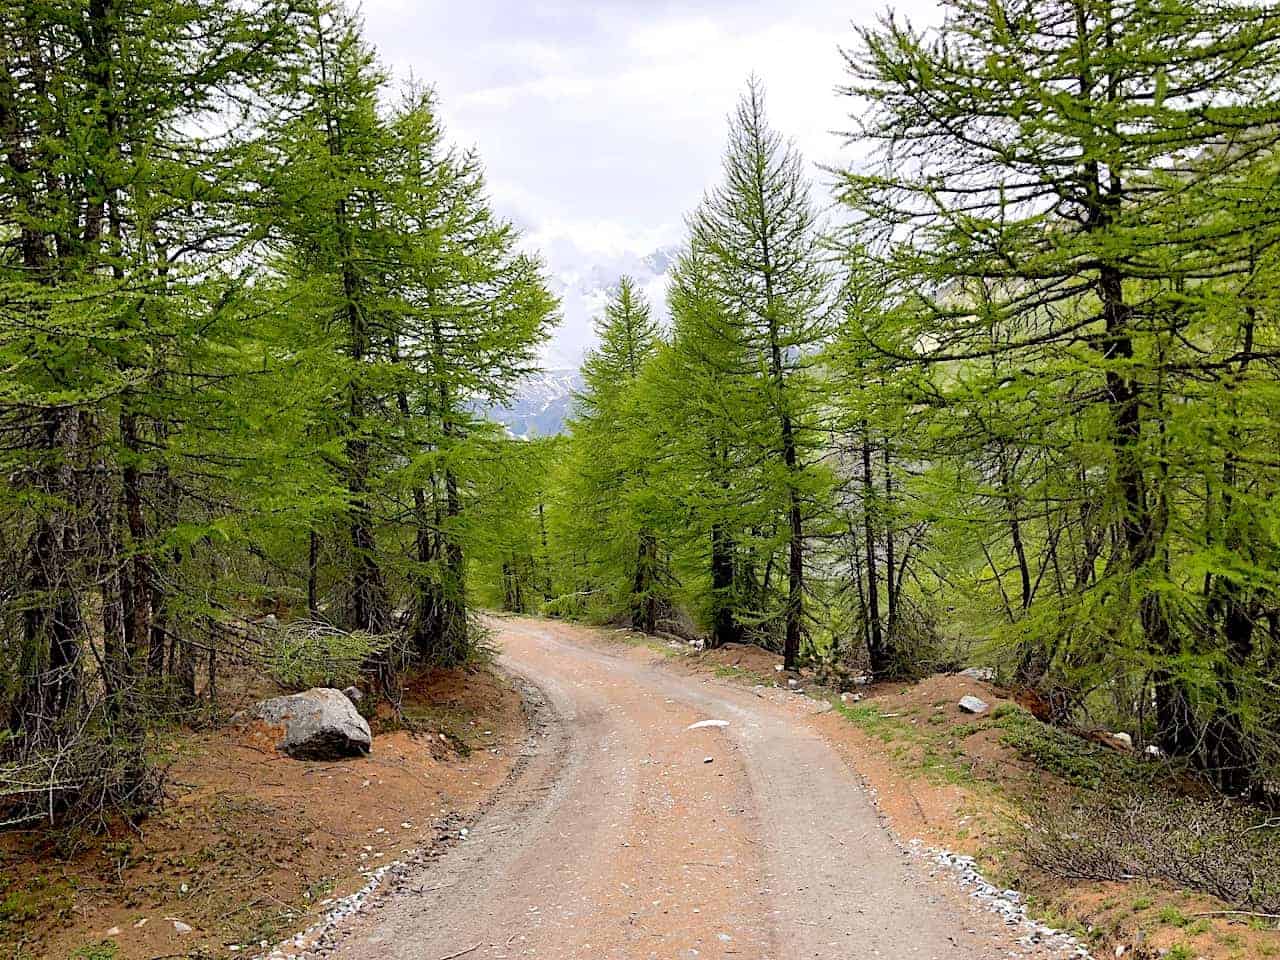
(626, 835)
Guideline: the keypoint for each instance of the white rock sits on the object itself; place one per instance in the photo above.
(1154, 751)
(1122, 739)
(701, 724)
(708, 759)
(778, 667)
(113, 932)
(972, 704)
(847, 698)
(985, 674)
(793, 683)
(321, 724)
(178, 925)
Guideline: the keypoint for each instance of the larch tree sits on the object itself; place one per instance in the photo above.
(118, 226)
(759, 233)
(705, 457)
(1071, 209)
(614, 463)
(477, 310)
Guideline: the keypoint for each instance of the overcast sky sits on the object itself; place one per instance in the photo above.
(601, 123)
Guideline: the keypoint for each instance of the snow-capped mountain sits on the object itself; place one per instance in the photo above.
(584, 290)
(542, 404)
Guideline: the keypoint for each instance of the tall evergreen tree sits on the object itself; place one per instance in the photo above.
(760, 236)
(1069, 209)
(117, 224)
(613, 462)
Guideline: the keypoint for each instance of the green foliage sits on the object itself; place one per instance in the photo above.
(693, 475)
(303, 654)
(1074, 321)
(610, 501)
(249, 305)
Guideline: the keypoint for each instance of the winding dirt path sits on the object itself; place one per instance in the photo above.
(628, 836)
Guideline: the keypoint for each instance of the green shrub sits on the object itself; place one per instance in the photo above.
(306, 653)
(1080, 762)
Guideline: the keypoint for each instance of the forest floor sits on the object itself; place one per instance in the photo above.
(250, 845)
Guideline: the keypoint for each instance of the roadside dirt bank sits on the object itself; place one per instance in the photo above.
(252, 846)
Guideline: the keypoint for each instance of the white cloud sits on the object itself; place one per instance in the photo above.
(602, 123)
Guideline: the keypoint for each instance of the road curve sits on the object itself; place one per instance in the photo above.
(627, 836)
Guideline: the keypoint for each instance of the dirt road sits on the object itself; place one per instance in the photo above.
(628, 835)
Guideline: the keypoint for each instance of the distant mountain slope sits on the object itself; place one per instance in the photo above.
(542, 405)
(584, 290)
(544, 402)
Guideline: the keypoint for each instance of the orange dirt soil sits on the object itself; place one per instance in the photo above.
(251, 846)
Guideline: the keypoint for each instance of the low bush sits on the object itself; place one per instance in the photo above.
(1210, 845)
(308, 653)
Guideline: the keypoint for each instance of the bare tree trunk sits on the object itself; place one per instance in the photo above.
(313, 573)
(876, 651)
(890, 564)
(724, 624)
(452, 645)
(644, 612)
(546, 556)
(53, 625)
(1229, 756)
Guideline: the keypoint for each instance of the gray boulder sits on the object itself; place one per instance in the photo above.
(321, 724)
(972, 704)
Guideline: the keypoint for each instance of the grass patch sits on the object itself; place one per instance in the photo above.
(106, 950)
(730, 671)
(924, 749)
(1080, 762)
(39, 898)
(30, 903)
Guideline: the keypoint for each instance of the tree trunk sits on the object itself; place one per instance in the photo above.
(313, 571)
(881, 661)
(546, 555)
(1228, 755)
(53, 625)
(724, 624)
(644, 602)
(890, 549)
(452, 645)
(370, 607)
